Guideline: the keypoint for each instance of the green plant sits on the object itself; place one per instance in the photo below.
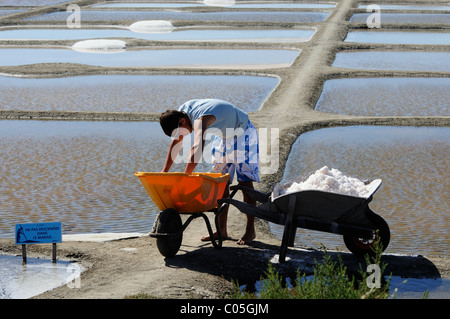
(330, 280)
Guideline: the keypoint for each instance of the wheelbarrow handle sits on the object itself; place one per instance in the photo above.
(253, 193)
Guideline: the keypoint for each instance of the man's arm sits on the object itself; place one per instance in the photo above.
(199, 128)
(172, 153)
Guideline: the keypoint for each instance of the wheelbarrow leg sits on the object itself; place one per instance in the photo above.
(289, 230)
(217, 242)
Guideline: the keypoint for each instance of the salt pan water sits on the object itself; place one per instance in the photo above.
(217, 17)
(406, 18)
(399, 37)
(130, 93)
(233, 5)
(393, 60)
(407, 7)
(167, 58)
(386, 96)
(190, 35)
(30, 3)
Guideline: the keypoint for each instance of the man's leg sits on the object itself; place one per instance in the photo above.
(247, 171)
(220, 165)
(222, 219)
(250, 232)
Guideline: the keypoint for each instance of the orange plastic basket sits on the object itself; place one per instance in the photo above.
(198, 192)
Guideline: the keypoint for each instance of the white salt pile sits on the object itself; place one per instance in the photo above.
(333, 181)
(219, 3)
(100, 46)
(152, 26)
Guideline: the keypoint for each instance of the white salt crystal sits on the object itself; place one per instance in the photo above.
(100, 46)
(152, 26)
(333, 181)
(219, 3)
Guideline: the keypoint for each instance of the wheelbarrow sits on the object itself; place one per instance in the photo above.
(180, 193)
(322, 211)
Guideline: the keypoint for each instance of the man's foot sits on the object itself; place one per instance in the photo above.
(246, 239)
(208, 238)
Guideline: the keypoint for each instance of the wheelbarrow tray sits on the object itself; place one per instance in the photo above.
(324, 206)
(314, 210)
(185, 193)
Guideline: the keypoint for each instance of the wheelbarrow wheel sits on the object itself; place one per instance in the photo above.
(361, 246)
(170, 226)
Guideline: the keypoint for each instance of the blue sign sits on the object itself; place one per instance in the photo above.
(39, 233)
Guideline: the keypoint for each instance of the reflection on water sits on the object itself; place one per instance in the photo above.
(191, 58)
(399, 37)
(130, 93)
(79, 173)
(386, 97)
(393, 60)
(407, 18)
(227, 16)
(269, 35)
(413, 164)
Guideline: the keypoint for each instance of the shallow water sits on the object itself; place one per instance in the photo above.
(131, 93)
(399, 37)
(79, 173)
(405, 18)
(281, 36)
(192, 58)
(18, 281)
(386, 97)
(413, 164)
(393, 60)
(137, 15)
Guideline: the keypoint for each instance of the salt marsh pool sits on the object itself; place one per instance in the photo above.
(413, 164)
(405, 18)
(386, 96)
(199, 34)
(218, 17)
(190, 58)
(80, 173)
(399, 37)
(393, 60)
(130, 93)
